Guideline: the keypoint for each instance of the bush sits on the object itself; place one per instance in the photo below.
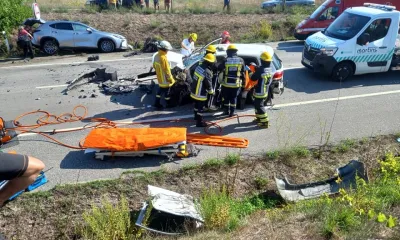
(13, 13)
(265, 30)
(108, 222)
(221, 211)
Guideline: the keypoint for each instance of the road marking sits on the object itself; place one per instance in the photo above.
(54, 86)
(139, 121)
(336, 99)
(75, 63)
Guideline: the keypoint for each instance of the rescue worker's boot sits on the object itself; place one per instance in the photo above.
(256, 120)
(169, 105)
(226, 110)
(263, 124)
(200, 122)
(231, 111)
(157, 103)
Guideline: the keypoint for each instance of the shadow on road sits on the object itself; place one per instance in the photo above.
(291, 46)
(310, 82)
(80, 160)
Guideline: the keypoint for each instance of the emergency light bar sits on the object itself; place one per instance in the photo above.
(380, 6)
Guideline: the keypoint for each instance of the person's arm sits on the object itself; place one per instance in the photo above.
(255, 76)
(183, 45)
(166, 68)
(208, 82)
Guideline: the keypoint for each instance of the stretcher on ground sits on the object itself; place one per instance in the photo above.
(137, 142)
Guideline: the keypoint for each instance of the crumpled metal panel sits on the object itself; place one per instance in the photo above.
(345, 178)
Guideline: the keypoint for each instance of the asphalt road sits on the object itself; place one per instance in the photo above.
(363, 106)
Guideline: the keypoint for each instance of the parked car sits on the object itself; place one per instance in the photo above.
(289, 3)
(54, 35)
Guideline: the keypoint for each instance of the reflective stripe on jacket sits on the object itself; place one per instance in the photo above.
(201, 83)
(233, 70)
(264, 80)
(163, 70)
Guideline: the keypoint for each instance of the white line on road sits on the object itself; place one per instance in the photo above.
(137, 121)
(74, 63)
(54, 86)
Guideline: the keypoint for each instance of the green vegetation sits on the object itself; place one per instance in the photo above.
(213, 162)
(344, 146)
(13, 13)
(234, 197)
(221, 211)
(108, 222)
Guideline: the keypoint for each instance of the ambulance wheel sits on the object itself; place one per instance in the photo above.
(342, 71)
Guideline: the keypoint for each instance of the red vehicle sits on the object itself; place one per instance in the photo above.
(327, 13)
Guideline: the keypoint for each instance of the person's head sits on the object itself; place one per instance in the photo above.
(165, 46)
(232, 50)
(209, 59)
(225, 35)
(20, 28)
(252, 67)
(266, 59)
(211, 49)
(193, 37)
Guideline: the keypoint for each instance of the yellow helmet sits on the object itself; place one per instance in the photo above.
(210, 58)
(193, 36)
(232, 47)
(266, 57)
(211, 49)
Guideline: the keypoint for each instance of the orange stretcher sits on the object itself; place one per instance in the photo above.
(168, 142)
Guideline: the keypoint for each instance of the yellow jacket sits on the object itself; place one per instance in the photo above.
(163, 70)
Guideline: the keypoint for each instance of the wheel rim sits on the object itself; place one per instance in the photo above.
(343, 73)
(50, 47)
(107, 46)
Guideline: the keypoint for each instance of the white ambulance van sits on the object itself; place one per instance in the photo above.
(361, 40)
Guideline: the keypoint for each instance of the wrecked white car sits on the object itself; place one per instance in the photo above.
(250, 54)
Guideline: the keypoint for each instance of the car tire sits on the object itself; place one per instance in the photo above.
(342, 71)
(50, 46)
(106, 46)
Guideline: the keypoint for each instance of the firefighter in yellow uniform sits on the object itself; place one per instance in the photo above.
(163, 72)
(263, 76)
(201, 86)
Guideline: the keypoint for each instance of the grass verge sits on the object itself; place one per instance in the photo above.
(236, 197)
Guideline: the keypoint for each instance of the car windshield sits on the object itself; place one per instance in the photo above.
(319, 10)
(346, 26)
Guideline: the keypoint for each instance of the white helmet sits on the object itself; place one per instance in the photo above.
(165, 45)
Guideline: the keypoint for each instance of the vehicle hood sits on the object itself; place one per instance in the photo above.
(174, 59)
(319, 40)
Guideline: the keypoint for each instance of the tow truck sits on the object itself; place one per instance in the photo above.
(362, 40)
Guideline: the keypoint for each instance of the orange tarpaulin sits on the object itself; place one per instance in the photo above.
(217, 141)
(133, 139)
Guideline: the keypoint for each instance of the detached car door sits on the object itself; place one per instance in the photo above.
(64, 33)
(83, 37)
